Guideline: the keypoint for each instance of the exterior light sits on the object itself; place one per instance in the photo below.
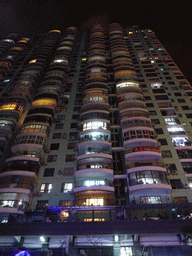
(42, 238)
(116, 238)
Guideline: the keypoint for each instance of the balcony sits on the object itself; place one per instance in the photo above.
(128, 86)
(136, 122)
(131, 96)
(22, 163)
(142, 152)
(82, 186)
(144, 163)
(29, 143)
(95, 136)
(133, 104)
(93, 173)
(43, 110)
(6, 182)
(41, 119)
(13, 206)
(45, 102)
(95, 115)
(151, 187)
(140, 136)
(36, 128)
(137, 112)
(96, 198)
(6, 127)
(98, 125)
(91, 155)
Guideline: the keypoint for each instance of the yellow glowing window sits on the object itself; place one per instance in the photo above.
(130, 32)
(58, 31)
(95, 219)
(22, 41)
(13, 106)
(94, 201)
(84, 59)
(156, 58)
(45, 102)
(33, 61)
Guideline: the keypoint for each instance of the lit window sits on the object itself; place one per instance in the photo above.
(171, 121)
(46, 188)
(127, 84)
(175, 129)
(89, 183)
(84, 59)
(126, 251)
(66, 187)
(150, 199)
(32, 61)
(95, 201)
(58, 31)
(95, 219)
(60, 61)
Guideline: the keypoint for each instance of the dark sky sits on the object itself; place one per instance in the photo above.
(171, 20)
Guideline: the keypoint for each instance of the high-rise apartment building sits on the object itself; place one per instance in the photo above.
(95, 140)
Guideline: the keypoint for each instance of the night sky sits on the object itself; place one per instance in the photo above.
(170, 20)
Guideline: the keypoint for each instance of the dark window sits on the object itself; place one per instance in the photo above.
(49, 172)
(147, 98)
(188, 115)
(57, 135)
(73, 136)
(176, 184)
(163, 141)
(155, 121)
(52, 158)
(41, 205)
(185, 107)
(74, 125)
(177, 94)
(149, 105)
(76, 116)
(159, 131)
(72, 145)
(77, 109)
(181, 100)
(166, 154)
(161, 97)
(152, 113)
(54, 146)
(70, 158)
(59, 126)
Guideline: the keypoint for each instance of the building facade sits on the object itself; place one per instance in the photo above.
(95, 140)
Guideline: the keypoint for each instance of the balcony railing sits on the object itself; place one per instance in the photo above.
(19, 185)
(130, 164)
(94, 166)
(21, 205)
(100, 137)
(146, 180)
(95, 151)
(90, 183)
